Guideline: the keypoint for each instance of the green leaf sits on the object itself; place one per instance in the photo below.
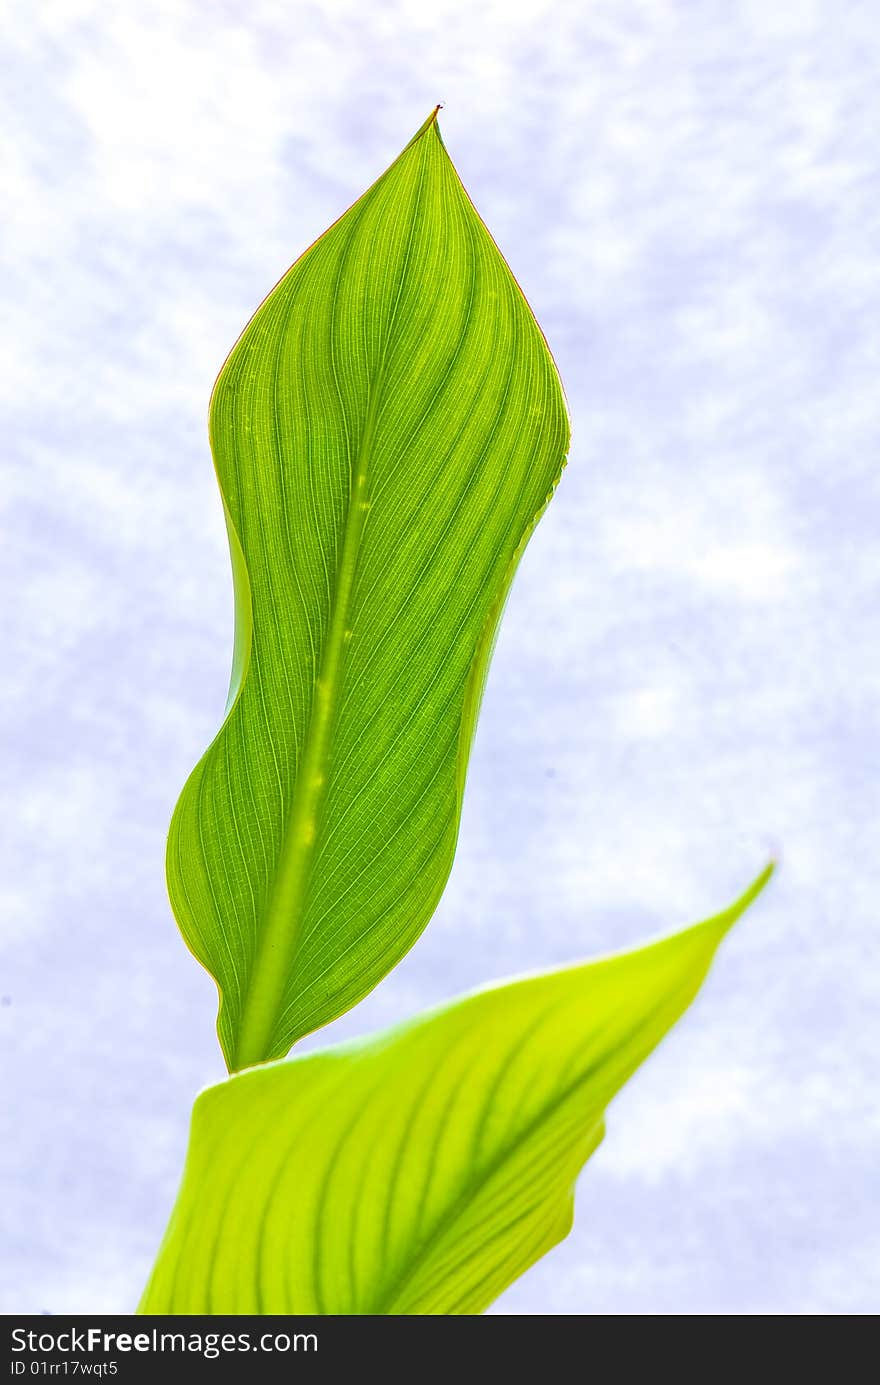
(386, 433)
(423, 1170)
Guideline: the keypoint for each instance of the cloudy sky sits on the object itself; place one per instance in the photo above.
(688, 674)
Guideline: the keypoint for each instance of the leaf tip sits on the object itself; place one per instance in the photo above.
(723, 922)
(760, 883)
(429, 124)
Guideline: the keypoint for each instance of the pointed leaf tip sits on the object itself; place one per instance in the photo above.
(730, 916)
(429, 124)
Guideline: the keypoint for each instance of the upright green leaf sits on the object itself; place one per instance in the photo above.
(423, 1170)
(386, 432)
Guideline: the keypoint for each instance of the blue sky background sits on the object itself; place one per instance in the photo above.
(688, 673)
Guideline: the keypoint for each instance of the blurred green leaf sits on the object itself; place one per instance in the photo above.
(421, 1171)
(386, 432)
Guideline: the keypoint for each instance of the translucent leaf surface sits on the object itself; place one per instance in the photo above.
(423, 1170)
(386, 432)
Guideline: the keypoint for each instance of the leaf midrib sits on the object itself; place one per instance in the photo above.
(277, 939)
(279, 936)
